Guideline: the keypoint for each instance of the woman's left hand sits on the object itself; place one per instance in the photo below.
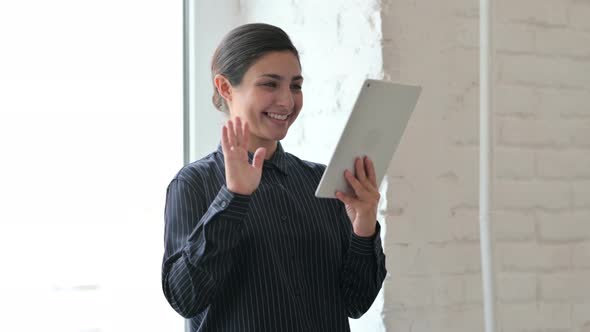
(361, 207)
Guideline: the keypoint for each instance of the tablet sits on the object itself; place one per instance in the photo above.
(374, 128)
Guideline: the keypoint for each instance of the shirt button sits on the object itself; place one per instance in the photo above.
(223, 204)
(284, 218)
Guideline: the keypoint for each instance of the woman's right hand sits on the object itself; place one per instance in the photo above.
(240, 177)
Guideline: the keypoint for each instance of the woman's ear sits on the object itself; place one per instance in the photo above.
(223, 87)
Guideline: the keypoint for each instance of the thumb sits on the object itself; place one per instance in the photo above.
(259, 157)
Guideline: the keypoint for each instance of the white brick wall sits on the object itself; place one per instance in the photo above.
(581, 252)
(565, 286)
(516, 287)
(541, 12)
(578, 12)
(541, 190)
(580, 316)
(533, 257)
(581, 193)
(536, 317)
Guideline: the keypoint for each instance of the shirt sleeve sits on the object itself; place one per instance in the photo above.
(363, 269)
(198, 242)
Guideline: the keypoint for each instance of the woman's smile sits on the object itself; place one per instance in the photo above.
(280, 117)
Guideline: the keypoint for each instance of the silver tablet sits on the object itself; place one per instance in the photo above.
(374, 128)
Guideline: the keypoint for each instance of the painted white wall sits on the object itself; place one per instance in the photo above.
(211, 21)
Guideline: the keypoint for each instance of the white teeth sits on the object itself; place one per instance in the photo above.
(278, 117)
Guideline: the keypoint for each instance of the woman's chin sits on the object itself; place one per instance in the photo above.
(278, 137)
(275, 135)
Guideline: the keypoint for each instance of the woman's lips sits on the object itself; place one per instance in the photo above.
(279, 117)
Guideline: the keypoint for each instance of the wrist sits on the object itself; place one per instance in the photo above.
(239, 191)
(365, 230)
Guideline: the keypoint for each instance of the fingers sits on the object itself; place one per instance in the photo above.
(238, 133)
(359, 167)
(246, 135)
(231, 135)
(364, 181)
(365, 173)
(225, 139)
(239, 130)
(359, 189)
(344, 198)
(258, 159)
(371, 174)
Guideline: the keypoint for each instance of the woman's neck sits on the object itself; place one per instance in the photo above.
(255, 143)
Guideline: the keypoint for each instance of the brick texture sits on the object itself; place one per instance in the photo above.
(541, 187)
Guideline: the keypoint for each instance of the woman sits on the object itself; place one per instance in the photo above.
(248, 247)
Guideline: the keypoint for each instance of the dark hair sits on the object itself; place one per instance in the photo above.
(240, 48)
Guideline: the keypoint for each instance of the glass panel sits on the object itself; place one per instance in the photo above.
(91, 135)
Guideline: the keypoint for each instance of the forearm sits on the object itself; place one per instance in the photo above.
(363, 273)
(192, 275)
(187, 288)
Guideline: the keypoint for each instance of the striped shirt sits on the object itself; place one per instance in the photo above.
(277, 260)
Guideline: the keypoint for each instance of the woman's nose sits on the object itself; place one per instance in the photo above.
(285, 98)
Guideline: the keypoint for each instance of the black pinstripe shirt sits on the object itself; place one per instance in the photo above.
(277, 260)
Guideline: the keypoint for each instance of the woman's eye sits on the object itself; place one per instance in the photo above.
(270, 84)
(296, 87)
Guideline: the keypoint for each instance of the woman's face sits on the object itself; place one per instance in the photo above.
(269, 97)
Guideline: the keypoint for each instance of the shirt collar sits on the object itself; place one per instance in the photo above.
(277, 160)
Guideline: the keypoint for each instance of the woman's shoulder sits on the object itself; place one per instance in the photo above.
(313, 167)
(207, 168)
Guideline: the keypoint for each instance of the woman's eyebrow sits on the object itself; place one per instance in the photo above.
(279, 77)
